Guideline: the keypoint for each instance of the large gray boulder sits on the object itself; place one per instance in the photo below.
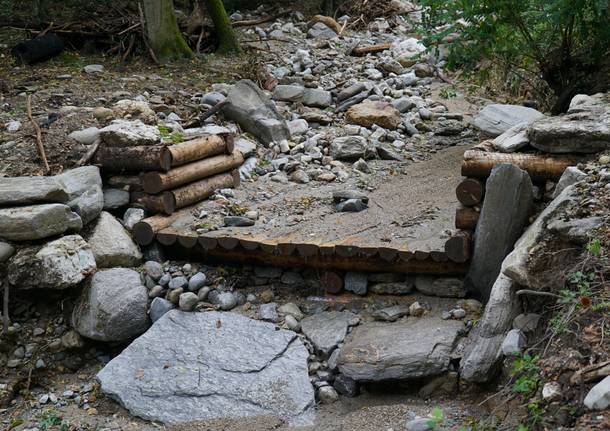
(31, 190)
(59, 264)
(580, 132)
(84, 187)
(232, 367)
(113, 306)
(506, 208)
(255, 113)
(493, 120)
(515, 266)
(483, 353)
(37, 221)
(112, 245)
(327, 329)
(411, 349)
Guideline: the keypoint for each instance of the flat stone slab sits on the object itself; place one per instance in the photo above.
(418, 347)
(496, 119)
(327, 329)
(201, 366)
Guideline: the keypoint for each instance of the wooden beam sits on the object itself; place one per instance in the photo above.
(470, 191)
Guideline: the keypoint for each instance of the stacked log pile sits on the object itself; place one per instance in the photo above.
(165, 178)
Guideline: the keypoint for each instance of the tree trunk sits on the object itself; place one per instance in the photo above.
(328, 7)
(162, 29)
(227, 41)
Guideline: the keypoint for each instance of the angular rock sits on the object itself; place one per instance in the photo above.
(112, 245)
(505, 211)
(370, 112)
(327, 329)
(445, 287)
(86, 136)
(125, 133)
(513, 139)
(317, 98)
(255, 113)
(59, 264)
(268, 312)
(34, 222)
(158, 307)
(579, 231)
(356, 282)
(321, 31)
(288, 93)
(391, 314)
(31, 190)
(6, 251)
(570, 176)
(84, 187)
(483, 353)
(513, 343)
(135, 110)
(351, 148)
(581, 132)
(113, 306)
(225, 373)
(399, 351)
(115, 198)
(515, 265)
(598, 397)
(393, 288)
(346, 386)
(351, 205)
(493, 120)
(132, 216)
(351, 91)
(527, 323)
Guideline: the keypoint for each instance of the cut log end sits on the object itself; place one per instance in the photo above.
(143, 233)
(470, 191)
(457, 247)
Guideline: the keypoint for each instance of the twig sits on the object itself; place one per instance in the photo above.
(132, 40)
(90, 153)
(46, 30)
(131, 27)
(6, 321)
(536, 293)
(247, 23)
(41, 151)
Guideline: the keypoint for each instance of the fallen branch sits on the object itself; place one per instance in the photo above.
(41, 151)
(327, 21)
(536, 293)
(90, 153)
(371, 49)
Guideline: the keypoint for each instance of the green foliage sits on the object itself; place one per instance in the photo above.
(525, 368)
(166, 135)
(595, 247)
(447, 93)
(436, 418)
(49, 419)
(559, 38)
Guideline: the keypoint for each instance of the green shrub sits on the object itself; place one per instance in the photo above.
(566, 41)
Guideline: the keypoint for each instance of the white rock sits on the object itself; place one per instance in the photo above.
(86, 136)
(551, 391)
(598, 397)
(93, 68)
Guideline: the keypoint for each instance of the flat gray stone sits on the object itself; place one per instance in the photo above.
(579, 231)
(351, 148)
(113, 306)
(288, 93)
(31, 190)
(513, 139)
(59, 264)
(158, 307)
(112, 245)
(506, 208)
(493, 120)
(86, 136)
(317, 98)
(255, 113)
(237, 368)
(327, 329)
(445, 287)
(405, 350)
(115, 198)
(483, 354)
(391, 314)
(126, 133)
(84, 187)
(570, 176)
(34, 222)
(356, 282)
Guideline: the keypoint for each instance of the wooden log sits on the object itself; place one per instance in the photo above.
(227, 242)
(163, 203)
(458, 246)
(438, 256)
(387, 254)
(208, 243)
(134, 159)
(307, 249)
(200, 148)
(361, 51)
(470, 191)
(187, 241)
(479, 164)
(466, 218)
(144, 231)
(199, 190)
(331, 282)
(326, 20)
(156, 182)
(167, 239)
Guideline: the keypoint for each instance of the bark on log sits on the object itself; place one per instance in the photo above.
(200, 148)
(361, 51)
(155, 182)
(130, 183)
(540, 167)
(144, 231)
(458, 246)
(162, 203)
(466, 218)
(470, 191)
(134, 159)
(199, 190)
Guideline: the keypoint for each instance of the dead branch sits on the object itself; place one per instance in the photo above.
(90, 153)
(247, 23)
(328, 21)
(41, 151)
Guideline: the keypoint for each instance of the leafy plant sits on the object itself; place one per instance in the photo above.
(447, 93)
(565, 41)
(595, 247)
(526, 369)
(48, 419)
(167, 135)
(436, 418)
